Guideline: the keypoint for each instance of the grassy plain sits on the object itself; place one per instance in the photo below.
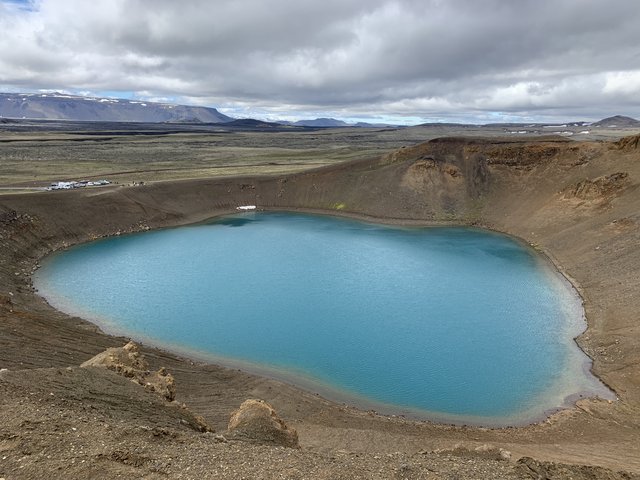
(32, 154)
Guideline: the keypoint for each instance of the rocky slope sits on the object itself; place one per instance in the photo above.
(577, 202)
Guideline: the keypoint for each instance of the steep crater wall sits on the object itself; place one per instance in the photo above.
(578, 202)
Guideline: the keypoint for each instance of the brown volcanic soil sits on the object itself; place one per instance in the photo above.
(577, 202)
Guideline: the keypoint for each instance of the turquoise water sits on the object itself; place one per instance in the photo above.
(453, 324)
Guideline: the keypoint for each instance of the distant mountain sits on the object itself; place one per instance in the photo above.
(57, 106)
(332, 122)
(321, 122)
(373, 125)
(617, 121)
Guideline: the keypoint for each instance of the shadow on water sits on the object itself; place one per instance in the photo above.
(236, 221)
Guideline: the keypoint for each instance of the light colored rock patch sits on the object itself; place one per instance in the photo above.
(129, 362)
(256, 421)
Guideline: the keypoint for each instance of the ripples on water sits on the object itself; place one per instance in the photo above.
(454, 324)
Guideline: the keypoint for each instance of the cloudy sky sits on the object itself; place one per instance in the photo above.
(404, 61)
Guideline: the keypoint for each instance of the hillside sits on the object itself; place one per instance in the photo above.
(618, 121)
(69, 107)
(321, 122)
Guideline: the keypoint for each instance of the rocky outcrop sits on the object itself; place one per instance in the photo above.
(601, 188)
(428, 174)
(129, 362)
(257, 422)
(628, 143)
(126, 361)
(162, 383)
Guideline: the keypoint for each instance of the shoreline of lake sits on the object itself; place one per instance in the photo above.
(564, 396)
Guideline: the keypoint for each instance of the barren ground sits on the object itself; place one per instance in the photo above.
(578, 202)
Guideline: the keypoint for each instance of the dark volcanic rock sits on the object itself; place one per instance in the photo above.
(251, 123)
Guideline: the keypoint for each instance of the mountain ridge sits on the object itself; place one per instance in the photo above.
(62, 106)
(617, 121)
(58, 106)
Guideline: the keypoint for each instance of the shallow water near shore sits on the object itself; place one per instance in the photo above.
(452, 324)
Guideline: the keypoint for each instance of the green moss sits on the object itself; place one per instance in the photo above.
(339, 206)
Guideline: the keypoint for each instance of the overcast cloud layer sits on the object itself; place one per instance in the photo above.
(421, 60)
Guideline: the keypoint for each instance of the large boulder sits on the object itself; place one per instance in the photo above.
(129, 362)
(256, 421)
(162, 383)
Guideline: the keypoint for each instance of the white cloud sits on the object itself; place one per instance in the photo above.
(627, 83)
(375, 57)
